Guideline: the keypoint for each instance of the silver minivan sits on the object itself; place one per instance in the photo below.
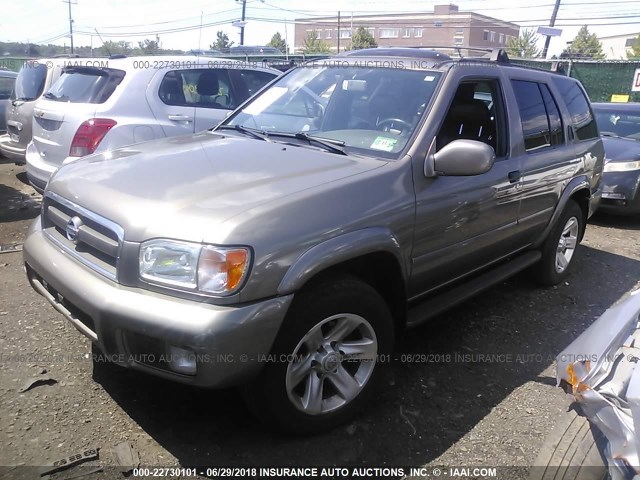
(35, 78)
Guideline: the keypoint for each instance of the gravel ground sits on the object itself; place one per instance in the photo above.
(474, 387)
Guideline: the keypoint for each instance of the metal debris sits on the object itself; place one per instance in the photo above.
(8, 248)
(86, 471)
(70, 461)
(36, 382)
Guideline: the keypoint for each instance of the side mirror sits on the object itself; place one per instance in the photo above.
(463, 158)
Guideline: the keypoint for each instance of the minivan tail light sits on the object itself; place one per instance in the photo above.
(89, 135)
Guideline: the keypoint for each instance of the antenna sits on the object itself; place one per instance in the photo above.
(103, 44)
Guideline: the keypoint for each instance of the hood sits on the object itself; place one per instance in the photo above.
(619, 149)
(187, 187)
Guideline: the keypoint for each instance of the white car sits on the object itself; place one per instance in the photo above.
(131, 100)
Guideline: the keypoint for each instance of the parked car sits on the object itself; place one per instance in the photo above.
(253, 50)
(619, 125)
(287, 248)
(35, 78)
(598, 437)
(7, 82)
(132, 100)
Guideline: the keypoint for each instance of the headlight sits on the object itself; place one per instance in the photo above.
(191, 266)
(622, 166)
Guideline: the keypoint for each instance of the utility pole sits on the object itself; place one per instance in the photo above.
(244, 8)
(338, 31)
(551, 24)
(70, 24)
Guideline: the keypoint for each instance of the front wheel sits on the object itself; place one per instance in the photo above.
(324, 364)
(559, 248)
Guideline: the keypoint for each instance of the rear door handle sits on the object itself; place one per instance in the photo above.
(515, 176)
(180, 118)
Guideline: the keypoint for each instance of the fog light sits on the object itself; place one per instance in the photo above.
(181, 361)
(613, 196)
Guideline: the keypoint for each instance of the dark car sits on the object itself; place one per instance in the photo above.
(619, 125)
(7, 82)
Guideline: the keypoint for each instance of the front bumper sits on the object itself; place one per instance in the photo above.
(131, 324)
(11, 150)
(621, 192)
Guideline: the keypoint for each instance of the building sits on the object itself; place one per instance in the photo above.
(616, 47)
(446, 26)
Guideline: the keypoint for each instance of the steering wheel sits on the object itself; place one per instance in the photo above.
(389, 122)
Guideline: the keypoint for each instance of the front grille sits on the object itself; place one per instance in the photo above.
(90, 238)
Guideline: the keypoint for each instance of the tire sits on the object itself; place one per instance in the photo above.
(573, 450)
(558, 250)
(321, 388)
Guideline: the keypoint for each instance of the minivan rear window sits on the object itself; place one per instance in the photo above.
(30, 81)
(85, 85)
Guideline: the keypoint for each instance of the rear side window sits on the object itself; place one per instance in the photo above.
(254, 80)
(555, 121)
(85, 85)
(583, 122)
(6, 87)
(208, 88)
(541, 123)
(30, 81)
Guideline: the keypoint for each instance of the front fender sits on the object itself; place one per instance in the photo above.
(338, 250)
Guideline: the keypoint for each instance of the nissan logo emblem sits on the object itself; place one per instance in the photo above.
(72, 229)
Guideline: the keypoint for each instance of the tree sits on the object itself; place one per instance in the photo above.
(115, 48)
(634, 54)
(278, 42)
(524, 46)
(149, 47)
(32, 50)
(362, 39)
(222, 42)
(313, 44)
(585, 45)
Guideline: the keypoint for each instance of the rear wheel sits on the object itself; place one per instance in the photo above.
(325, 362)
(559, 248)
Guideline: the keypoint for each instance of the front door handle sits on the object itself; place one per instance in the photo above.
(180, 118)
(515, 176)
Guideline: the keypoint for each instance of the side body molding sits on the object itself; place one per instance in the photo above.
(338, 250)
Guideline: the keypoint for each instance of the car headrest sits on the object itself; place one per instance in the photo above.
(208, 84)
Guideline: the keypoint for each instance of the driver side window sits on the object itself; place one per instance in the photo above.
(476, 113)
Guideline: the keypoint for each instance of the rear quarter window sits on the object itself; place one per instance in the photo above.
(30, 81)
(6, 87)
(85, 85)
(577, 103)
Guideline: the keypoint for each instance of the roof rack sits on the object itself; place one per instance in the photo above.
(493, 54)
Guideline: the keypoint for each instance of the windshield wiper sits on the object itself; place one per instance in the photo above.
(334, 146)
(22, 99)
(252, 132)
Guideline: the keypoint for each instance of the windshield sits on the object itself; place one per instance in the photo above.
(30, 81)
(371, 111)
(618, 123)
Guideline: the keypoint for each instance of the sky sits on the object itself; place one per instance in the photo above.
(178, 23)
